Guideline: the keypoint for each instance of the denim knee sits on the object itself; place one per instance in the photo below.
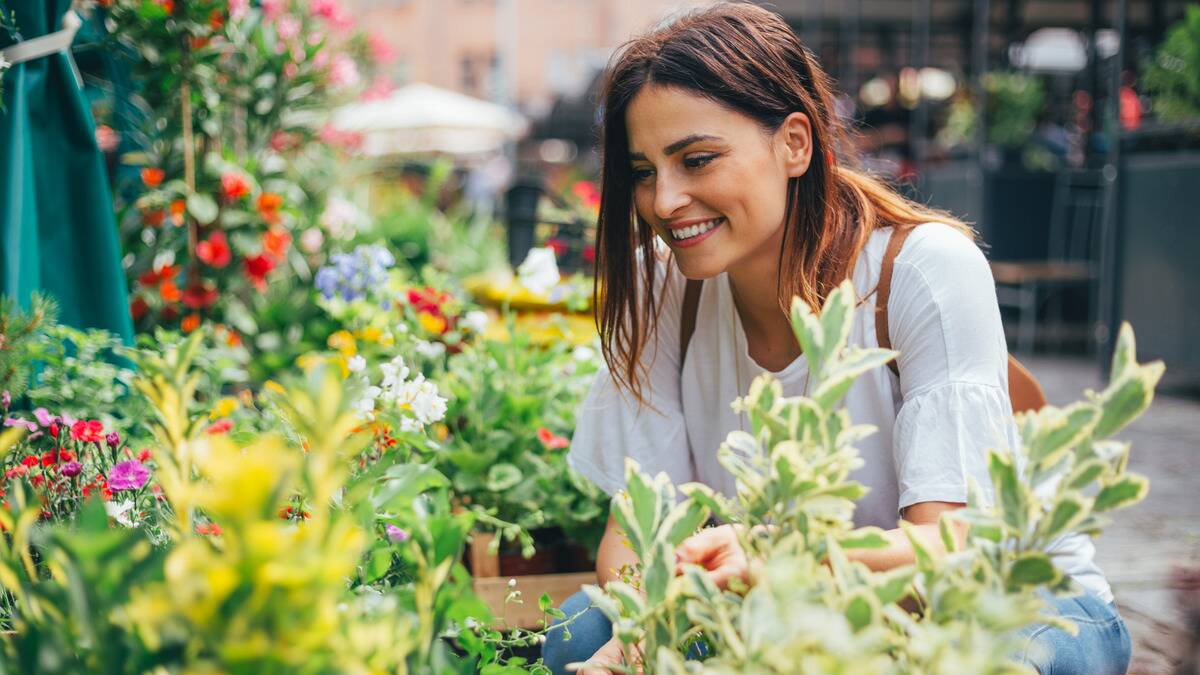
(1102, 646)
(589, 631)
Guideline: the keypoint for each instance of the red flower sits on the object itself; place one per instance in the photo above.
(154, 218)
(30, 461)
(65, 455)
(216, 20)
(234, 186)
(427, 300)
(214, 251)
(587, 193)
(257, 268)
(209, 529)
(200, 295)
(268, 206)
(551, 441)
(190, 323)
(589, 253)
(152, 178)
(49, 458)
(169, 291)
(169, 313)
(53, 430)
(558, 246)
(275, 242)
(89, 431)
(144, 455)
(218, 427)
(158, 274)
(138, 308)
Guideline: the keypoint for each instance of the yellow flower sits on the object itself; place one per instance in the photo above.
(387, 340)
(370, 334)
(344, 342)
(307, 362)
(272, 385)
(223, 408)
(441, 431)
(432, 323)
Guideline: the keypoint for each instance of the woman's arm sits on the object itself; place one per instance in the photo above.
(924, 516)
(613, 554)
(718, 550)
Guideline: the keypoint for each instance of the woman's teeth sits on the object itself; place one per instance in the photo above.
(695, 230)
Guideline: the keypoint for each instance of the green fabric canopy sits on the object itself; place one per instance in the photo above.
(58, 232)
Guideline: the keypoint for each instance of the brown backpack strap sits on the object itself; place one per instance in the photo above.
(884, 290)
(687, 324)
(1024, 392)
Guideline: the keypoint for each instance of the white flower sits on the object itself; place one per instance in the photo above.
(430, 350)
(356, 364)
(420, 396)
(539, 272)
(475, 320)
(311, 240)
(409, 424)
(583, 353)
(341, 218)
(394, 375)
(119, 511)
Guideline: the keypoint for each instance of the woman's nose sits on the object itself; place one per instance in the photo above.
(669, 196)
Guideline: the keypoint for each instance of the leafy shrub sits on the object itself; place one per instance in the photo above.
(812, 609)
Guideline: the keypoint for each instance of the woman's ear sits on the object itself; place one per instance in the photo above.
(795, 138)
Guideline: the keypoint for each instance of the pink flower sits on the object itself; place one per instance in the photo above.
(18, 422)
(311, 240)
(343, 72)
(288, 28)
(238, 9)
(396, 534)
(43, 416)
(381, 50)
(128, 475)
(70, 469)
(272, 9)
(380, 89)
(333, 13)
(551, 441)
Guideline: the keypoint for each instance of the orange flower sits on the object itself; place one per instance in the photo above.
(190, 323)
(153, 218)
(275, 242)
(209, 529)
(268, 206)
(152, 178)
(216, 20)
(169, 291)
(234, 186)
(178, 208)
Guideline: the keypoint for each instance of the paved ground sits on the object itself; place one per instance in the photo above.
(1138, 550)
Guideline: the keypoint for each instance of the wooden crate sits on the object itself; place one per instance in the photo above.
(493, 588)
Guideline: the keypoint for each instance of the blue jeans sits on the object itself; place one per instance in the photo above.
(1102, 646)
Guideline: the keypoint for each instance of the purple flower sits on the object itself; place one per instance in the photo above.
(70, 469)
(18, 422)
(113, 439)
(350, 276)
(128, 475)
(43, 416)
(396, 534)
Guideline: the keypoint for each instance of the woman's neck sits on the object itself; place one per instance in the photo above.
(768, 330)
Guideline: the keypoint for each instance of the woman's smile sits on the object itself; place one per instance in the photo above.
(692, 231)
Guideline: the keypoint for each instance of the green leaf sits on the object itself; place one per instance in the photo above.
(1125, 491)
(809, 333)
(202, 207)
(837, 383)
(502, 476)
(1033, 569)
(657, 571)
(632, 604)
(861, 610)
(1071, 508)
(544, 602)
(1127, 397)
(1085, 473)
(682, 522)
(1058, 430)
(837, 317)
(1010, 494)
(892, 585)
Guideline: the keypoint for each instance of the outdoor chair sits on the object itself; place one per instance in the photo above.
(1076, 223)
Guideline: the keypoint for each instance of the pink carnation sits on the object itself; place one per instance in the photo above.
(343, 72)
(238, 9)
(333, 13)
(272, 9)
(381, 50)
(288, 28)
(128, 475)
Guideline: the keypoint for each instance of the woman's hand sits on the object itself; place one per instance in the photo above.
(717, 550)
(611, 654)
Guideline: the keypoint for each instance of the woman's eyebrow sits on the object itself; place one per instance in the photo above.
(677, 145)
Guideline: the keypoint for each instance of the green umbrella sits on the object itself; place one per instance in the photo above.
(58, 233)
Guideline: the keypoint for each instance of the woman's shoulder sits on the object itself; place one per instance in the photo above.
(938, 248)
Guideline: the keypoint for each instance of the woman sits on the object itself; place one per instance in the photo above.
(719, 143)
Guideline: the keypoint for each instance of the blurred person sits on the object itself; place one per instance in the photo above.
(720, 167)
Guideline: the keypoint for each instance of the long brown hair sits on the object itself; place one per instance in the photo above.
(747, 59)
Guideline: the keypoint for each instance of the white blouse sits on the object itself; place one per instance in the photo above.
(935, 422)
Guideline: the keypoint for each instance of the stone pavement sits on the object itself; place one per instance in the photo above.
(1139, 548)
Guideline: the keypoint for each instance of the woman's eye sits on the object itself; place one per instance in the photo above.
(698, 161)
(641, 175)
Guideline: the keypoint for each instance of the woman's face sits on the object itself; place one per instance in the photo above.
(709, 180)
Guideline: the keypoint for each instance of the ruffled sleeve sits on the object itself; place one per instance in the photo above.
(611, 425)
(953, 368)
